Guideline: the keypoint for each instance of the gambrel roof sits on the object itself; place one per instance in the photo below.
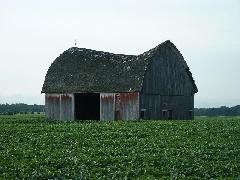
(86, 70)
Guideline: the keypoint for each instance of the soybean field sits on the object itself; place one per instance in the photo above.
(33, 147)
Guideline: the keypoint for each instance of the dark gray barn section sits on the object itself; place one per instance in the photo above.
(88, 84)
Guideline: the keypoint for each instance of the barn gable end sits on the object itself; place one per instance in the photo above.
(168, 87)
(167, 73)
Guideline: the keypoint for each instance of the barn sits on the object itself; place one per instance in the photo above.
(84, 84)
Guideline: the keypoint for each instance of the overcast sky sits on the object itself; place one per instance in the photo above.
(34, 33)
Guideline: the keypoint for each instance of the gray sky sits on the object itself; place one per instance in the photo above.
(34, 33)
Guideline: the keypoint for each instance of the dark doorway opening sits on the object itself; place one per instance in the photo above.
(87, 106)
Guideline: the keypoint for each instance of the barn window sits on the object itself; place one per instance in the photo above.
(143, 114)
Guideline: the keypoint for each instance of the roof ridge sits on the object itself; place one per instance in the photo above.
(73, 49)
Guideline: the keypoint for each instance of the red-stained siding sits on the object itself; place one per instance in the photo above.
(127, 106)
(59, 106)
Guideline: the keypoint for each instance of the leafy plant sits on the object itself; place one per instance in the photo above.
(32, 146)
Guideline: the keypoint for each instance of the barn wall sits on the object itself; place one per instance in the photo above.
(113, 106)
(167, 85)
(59, 106)
(67, 107)
(52, 106)
(154, 105)
(107, 106)
(119, 106)
(127, 106)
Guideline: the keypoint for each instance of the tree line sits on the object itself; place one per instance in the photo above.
(20, 108)
(220, 111)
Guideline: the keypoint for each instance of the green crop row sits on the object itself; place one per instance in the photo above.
(31, 146)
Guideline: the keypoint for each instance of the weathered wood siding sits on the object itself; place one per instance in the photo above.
(59, 106)
(167, 86)
(107, 106)
(127, 106)
(181, 106)
(166, 75)
(119, 106)
(67, 107)
(52, 106)
(113, 106)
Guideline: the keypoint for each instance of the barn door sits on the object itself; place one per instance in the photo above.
(118, 107)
